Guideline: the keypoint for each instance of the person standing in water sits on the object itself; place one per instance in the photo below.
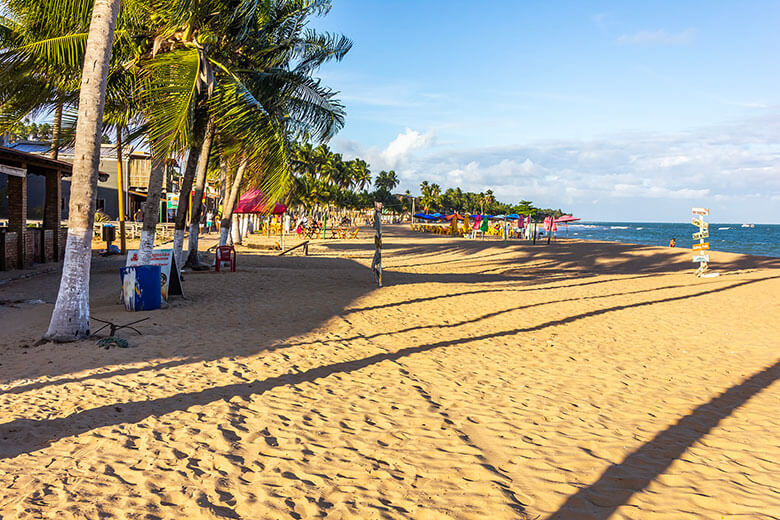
(672, 243)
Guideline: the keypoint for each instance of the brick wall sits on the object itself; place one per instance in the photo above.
(52, 213)
(9, 250)
(48, 245)
(28, 256)
(17, 214)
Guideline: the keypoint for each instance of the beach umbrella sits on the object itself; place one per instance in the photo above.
(255, 201)
(565, 219)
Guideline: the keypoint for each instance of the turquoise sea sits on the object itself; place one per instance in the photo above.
(761, 239)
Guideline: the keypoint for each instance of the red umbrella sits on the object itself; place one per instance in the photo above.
(255, 201)
(565, 219)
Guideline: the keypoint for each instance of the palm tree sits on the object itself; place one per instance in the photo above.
(387, 180)
(253, 68)
(431, 196)
(361, 175)
(70, 318)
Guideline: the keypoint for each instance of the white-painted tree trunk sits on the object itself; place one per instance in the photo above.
(184, 201)
(178, 246)
(245, 221)
(200, 185)
(230, 203)
(236, 229)
(70, 317)
(151, 211)
(224, 232)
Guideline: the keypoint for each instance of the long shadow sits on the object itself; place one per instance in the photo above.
(483, 291)
(175, 363)
(314, 290)
(512, 309)
(620, 481)
(26, 435)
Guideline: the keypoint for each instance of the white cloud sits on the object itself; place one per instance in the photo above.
(631, 176)
(403, 145)
(659, 37)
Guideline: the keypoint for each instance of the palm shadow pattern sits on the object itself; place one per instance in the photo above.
(25, 435)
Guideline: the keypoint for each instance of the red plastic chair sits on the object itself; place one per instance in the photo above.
(226, 254)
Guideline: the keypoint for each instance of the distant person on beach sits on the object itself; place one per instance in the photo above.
(672, 243)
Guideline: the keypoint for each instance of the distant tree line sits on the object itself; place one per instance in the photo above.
(324, 178)
(457, 200)
(25, 130)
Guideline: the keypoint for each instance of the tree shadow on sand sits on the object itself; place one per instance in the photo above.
(295, 295)
(27, 435)
(620, 481)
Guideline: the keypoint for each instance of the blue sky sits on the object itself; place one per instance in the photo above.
(613, 110)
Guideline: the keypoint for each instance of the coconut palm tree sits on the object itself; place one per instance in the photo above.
(253, 68)
(387, 180)
(361, 175)
(431, 196)
(70, 318)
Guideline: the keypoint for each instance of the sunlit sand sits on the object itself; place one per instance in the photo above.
(579, 380)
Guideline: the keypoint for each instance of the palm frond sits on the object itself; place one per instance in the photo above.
(170, 85)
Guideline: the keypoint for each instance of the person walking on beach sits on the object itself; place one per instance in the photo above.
(672, 243)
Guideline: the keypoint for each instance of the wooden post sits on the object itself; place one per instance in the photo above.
(376, 264)
(120, 182)
(284, 216)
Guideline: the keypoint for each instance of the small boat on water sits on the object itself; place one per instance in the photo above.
(749, 225)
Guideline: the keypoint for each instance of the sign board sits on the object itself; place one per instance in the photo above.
(10, 170)
(699, 222)
(701, 258)
(173, 201)
(700, 247)
(700, 211)
(170, 283)
(700, 235)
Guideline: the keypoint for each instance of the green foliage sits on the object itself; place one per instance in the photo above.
(246, 64)
(431, 196)
(387, 180)
(23, 130)
(456, 200)
(324, 178)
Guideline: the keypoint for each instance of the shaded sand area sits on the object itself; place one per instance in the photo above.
(580, 380)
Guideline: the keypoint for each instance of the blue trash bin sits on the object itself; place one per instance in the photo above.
(141, 287)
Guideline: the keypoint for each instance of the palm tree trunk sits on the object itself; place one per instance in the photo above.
(227, 210)
(70, 318)
(151, 210)
(55, 132)
(200, 185)
(184, 203)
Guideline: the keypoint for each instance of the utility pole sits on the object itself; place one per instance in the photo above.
(120, 190)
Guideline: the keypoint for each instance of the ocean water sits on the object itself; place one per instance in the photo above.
(763, 239)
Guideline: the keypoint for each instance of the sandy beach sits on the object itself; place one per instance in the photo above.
(576, 380)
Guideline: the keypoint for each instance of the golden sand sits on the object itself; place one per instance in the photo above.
(579, 380)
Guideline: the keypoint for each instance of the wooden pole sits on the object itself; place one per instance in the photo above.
(376, 264)
(120, 190)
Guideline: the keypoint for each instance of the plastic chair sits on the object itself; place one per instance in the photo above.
(226, 254)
